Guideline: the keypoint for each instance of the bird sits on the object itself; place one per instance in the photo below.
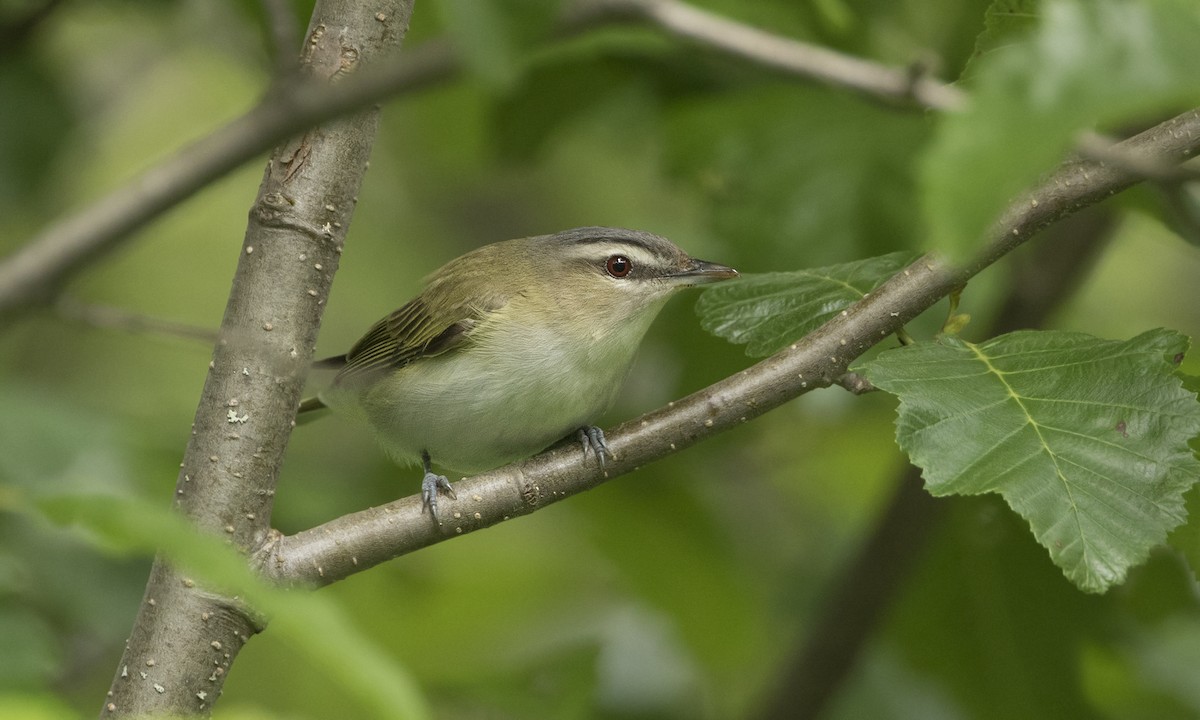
(510, 348)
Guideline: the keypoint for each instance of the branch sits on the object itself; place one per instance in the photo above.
(185, 638)
(103, 316)
(35, 273)
(285, 38)
(354, 542)
(791, 57)
(1095, 146)
(855, 383)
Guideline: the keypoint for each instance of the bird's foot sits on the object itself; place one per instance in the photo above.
(431, 485)
(592, 438)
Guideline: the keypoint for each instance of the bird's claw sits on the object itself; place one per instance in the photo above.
(592, 438)
(431, 485)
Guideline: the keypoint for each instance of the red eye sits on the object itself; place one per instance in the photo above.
(618, 266)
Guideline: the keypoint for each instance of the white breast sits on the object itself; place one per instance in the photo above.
(512, 391)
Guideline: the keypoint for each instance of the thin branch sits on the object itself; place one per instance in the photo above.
(35, 273)
(792, 57)
(285, 38)
(1174, 183)
(1103, 149)
(112, 318)
(354, 542)
(1079, 183)
(855, 383)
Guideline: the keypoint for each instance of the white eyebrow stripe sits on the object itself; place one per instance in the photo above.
(601, 250)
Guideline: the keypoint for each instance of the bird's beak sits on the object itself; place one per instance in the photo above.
(699, 272)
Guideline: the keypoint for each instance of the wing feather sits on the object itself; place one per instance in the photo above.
(416, 330)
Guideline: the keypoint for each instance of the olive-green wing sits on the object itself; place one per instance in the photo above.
(407, 334)
(456, 298)
(415, 331)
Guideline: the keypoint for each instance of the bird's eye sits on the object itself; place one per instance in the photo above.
(618, 266)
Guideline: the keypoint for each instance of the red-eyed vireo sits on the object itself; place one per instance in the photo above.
(510, 348)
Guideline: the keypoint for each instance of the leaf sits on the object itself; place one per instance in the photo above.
(1087, 439)
(1104, 63)
(768, 311)
(1002, 22)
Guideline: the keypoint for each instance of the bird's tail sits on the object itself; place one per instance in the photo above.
(310, 405)
(307, 411)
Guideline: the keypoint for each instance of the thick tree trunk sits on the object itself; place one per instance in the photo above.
(185, 638)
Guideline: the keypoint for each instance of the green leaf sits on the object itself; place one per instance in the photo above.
(1087, 439)
(1100, 64)
(766, 312)
(1003, 21)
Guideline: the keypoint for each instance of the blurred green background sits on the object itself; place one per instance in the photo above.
(675, 592)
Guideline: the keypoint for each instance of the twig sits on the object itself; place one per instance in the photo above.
(1099, 148)
(856, 383)
(793, 57)
(34, 274)
(285, 39)
(351, 543)
(103, 316)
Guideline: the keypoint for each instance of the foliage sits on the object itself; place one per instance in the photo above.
(1088, 65)
(1109, 421)
(1085, 438)
(767, 312)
